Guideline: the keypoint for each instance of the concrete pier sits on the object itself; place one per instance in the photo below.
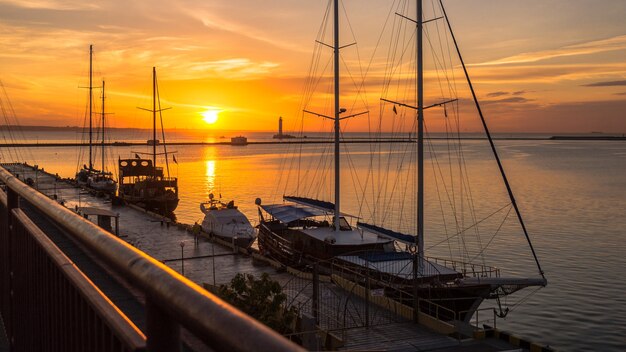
(344, 320)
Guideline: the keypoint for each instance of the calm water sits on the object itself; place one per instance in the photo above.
(572, 195)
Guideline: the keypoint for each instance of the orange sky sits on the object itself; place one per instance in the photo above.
(537, 66)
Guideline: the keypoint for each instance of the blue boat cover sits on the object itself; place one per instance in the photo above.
(385, 256)
(328, 206)
(408, 239)
(287, 213)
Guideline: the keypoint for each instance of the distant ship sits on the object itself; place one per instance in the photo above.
(239, 140)
(280, 134)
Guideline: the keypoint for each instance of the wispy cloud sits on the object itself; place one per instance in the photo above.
(592, 47)
(497, 94)
(235, 68)
(606, 84)
(515, 100)
(52, 4)
(217, 23)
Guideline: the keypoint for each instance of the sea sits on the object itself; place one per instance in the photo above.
(571, 193)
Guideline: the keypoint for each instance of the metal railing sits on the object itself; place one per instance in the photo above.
(172, 301)
(467, 269)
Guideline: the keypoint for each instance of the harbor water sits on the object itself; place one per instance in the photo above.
(572, 195)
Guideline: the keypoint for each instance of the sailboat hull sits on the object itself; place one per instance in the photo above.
(443, 296)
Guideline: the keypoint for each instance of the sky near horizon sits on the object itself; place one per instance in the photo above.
(537, 66)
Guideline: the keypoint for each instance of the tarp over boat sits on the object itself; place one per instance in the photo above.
(290, 212)
(408, 239)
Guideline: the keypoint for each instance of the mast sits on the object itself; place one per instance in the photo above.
(154, 111)
(420, 132)
(90, 104)
(102, 126)
(337, 112)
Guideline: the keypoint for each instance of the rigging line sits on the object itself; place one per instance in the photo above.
(20, 132)
(451, 88)
(493, 147)
(433, 156)
(470, 199)
(469, 227)
(359, 88)
(396, 182)
(167, 162)
(354, 38)
(439, 67)
(524, 299)
(451, 195)
(492, 237)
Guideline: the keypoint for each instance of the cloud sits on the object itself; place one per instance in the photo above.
(511, 100)
(606, 84)
(235, 68)
(497, 94)
(622, 93)
(214, 22)
(51, 4)
(592, 47)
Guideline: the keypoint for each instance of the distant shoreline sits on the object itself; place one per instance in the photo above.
(323, 141)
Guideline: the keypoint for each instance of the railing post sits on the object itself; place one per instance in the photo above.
(13, 201)
(163, 332)
(316, 294)
(416, 306)
(367, 301)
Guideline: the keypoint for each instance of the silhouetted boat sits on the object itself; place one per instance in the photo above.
(143, 183)
(98, 180)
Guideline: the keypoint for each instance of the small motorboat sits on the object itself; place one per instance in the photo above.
(225, 221)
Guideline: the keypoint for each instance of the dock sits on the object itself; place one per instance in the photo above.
(341, 319)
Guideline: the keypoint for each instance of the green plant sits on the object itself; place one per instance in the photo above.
(262, 299)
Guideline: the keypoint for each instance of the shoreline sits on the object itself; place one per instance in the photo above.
(325, 141)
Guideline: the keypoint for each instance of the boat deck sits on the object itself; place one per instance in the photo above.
(403, 267)
(208, 263)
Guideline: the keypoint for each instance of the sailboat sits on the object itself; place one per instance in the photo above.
(141, 181)
(97, 180)
(306, 232)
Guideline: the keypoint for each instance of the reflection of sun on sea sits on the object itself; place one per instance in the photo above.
(210, 116)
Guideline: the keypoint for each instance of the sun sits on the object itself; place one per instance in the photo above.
(210, 116)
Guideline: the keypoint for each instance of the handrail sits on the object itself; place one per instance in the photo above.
(212, 320)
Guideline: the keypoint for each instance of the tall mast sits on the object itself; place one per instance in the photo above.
(102, 126)
(420, 132)
(337, 112)
(154, 111)
(90, 104)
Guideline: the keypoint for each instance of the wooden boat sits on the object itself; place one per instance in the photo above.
(305, 232)
(141, 181)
